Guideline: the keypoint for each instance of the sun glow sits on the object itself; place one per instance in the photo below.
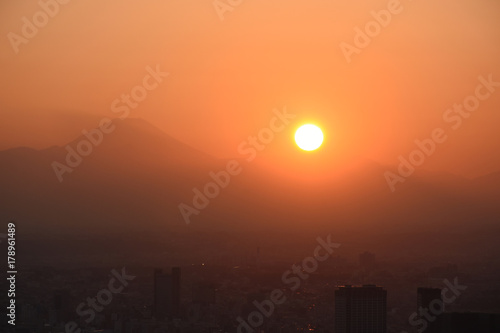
(309, 137)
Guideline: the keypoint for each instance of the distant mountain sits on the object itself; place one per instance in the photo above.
(46, 127)
(135, 179)
(135, 172)
(492, 180)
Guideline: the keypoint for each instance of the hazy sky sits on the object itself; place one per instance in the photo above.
(227, 76)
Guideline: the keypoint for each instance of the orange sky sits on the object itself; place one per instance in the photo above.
(227, 76)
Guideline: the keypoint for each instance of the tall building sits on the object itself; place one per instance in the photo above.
(62, 305)
(176, 292)
(167, 294)
(360, 309)
(430, 300)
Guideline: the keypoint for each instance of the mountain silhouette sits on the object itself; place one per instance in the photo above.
(138, 175)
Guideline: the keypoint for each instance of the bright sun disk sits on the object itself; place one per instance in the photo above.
(309, 137)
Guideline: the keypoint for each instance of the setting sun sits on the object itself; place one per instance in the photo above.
(309, 137)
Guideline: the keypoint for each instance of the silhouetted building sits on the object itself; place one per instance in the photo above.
(62, 305)
(430, 301)
(470, 322)
(361, 309)
(167, 294)
(176, 292)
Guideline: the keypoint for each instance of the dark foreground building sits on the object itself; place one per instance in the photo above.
(430, 299)
(167, 294)
(361, 309)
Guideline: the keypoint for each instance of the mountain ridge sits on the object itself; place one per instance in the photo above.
(139, 173)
